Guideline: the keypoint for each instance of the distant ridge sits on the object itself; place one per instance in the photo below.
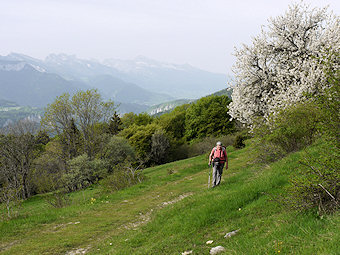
(6, 103)
(169, 106)
(136, 84)
(178, 81)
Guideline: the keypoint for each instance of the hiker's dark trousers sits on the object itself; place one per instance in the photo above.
(217, 174)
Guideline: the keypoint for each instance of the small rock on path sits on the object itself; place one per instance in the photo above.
(216, 250)
(232, 233)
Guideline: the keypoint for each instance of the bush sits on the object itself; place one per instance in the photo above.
(290, 130)
(123, 176)
(202, 146)
(317, 181)
(83, 172)
(140, 138)
(178, 150)
(267, 151)
(117, 150)
(58, 199)
(239, 142)
(48, 169)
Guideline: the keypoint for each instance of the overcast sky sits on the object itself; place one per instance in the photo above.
(202, 33)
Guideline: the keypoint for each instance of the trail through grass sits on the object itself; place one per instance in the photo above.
(173, 213)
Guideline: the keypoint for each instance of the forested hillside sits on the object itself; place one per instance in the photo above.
(92, 181)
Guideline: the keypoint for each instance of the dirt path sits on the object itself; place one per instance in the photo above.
(156, 200)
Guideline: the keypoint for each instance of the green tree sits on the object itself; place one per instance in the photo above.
(49, 168)
(18, 149)
(159, 147)
(115, 124)
(67, 117)
(141, 119)
(74, 139)
(140, 138)
(117, 150)
(89, 109)
(208, 116)
(57, 120)
(173, 122)
(83, 172)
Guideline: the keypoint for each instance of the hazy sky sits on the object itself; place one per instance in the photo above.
(202, 33)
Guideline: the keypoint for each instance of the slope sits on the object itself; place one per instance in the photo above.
(173, 211)
(123, 92)
(28, 86)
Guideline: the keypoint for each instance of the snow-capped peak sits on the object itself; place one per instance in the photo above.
(18, 66)
(60, 58)
(141, 63)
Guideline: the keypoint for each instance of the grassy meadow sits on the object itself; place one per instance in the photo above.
(173, 211)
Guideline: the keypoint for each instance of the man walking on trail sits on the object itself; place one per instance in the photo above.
(218, 157)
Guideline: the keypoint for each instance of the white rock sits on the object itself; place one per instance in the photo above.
(186, 252)
(209, 242)
(216, 250)
(232, 233)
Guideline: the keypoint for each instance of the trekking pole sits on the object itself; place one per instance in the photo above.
(209, 179)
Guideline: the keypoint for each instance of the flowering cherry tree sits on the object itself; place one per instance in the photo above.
(284, 62)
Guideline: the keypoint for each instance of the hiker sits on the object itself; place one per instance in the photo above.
(218, 157)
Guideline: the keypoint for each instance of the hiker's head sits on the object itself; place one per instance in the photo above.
(219, 144)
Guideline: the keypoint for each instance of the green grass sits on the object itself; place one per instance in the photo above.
(136, 220)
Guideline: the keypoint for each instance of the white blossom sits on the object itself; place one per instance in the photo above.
(284, 62)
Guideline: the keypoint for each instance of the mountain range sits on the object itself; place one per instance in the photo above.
(136, 85)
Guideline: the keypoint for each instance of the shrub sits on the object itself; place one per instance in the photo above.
(290, 130)
(202, 146)
(140, 138)
(295, 127)
(48, 169)
(83, 172)
(58, 199)
(267, 151)
(124, 175)
(317, 181)
(116, 151)
(10, 197)
(239, 142)
(178, 150)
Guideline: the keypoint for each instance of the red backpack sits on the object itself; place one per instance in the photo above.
(217, 159)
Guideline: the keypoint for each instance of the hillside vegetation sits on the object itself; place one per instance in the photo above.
(94, 182)
(173, 211)
(12, 113)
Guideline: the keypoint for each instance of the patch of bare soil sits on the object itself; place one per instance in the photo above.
(141, 220)
(145, 218)
(6, 246)
(78, 251)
